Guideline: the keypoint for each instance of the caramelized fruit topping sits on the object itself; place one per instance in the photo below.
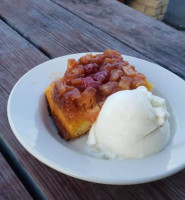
(90, 80)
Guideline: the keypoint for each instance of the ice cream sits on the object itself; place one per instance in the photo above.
(131, 124)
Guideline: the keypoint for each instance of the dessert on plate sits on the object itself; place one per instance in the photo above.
(76, 99)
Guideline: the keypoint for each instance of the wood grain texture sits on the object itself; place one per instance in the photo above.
(36, 21)
(10, 186)
(54, 184)
(57, 31)
(17, 55)
(152, 38)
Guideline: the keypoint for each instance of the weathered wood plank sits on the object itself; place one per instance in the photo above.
(16, 56)
(10, 186)
(150, 37)
(23, 175)
(59, 186)
(53, 184)
(57, 31)
(14, 65)
(171, 188)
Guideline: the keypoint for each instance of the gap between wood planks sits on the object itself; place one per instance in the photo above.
(5, 70)
(45, 51)
(20, 171)
(51, 56)
(113, 188)
(173, 66)
(176, 61)
(98, 28)
(63, 179)
(27, 38)
(11, 187)
(23, 175)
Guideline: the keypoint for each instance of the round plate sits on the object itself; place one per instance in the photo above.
(35, 130)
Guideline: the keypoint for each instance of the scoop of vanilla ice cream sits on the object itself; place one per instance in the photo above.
(131, 124)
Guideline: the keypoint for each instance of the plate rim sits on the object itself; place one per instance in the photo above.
(51, 164)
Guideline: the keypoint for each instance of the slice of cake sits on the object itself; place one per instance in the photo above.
(76, 99)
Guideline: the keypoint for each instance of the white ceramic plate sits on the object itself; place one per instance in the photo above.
(33, 127)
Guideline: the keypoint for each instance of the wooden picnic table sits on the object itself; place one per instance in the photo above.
(32, 32)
